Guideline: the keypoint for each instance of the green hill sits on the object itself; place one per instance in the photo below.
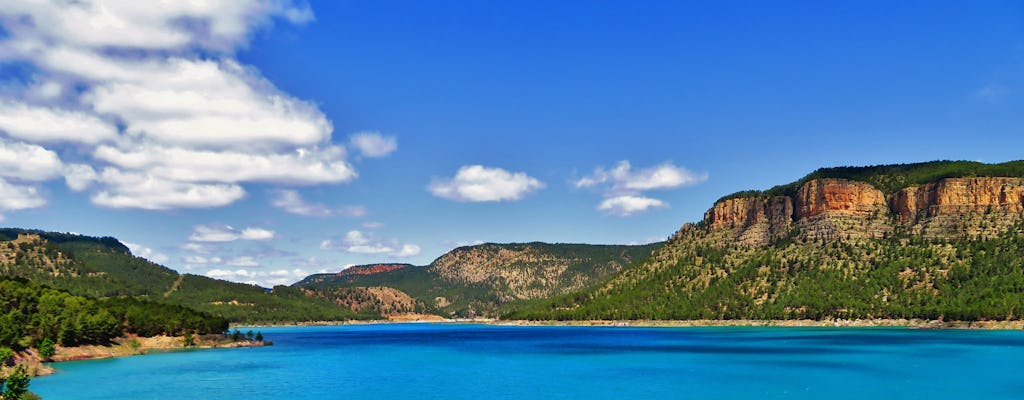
(104, 267)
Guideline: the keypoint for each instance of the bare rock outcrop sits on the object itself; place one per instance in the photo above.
(841, 209)
(827, 209)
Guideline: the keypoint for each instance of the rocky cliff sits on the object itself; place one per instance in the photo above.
(832, 208)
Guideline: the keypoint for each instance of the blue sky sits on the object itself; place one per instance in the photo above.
(259, 141)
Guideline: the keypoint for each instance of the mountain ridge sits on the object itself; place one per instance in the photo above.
(827, 246)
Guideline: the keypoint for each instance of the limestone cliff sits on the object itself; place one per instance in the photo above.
(752, 220)
(840, 208)
(960, 206)
(831, 208)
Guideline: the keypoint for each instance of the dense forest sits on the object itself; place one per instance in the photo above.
(899, 277)
(32, 313)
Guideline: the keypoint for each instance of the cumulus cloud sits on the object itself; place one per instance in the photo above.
(623, 187)
(28, 162)
(476, 183)
(145, 252)
(290, 201)
(19, 197)
(161, 113)
(44, 124)
(358, 242)
(625, 206)
(373, 144)
(227, 233)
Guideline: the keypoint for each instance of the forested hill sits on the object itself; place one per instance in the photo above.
(476, 280)
(942, 240)
(104, 267)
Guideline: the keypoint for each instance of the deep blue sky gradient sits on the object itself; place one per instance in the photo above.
(752, 93)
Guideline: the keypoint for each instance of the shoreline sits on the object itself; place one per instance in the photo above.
(912, 323)
(126, 347)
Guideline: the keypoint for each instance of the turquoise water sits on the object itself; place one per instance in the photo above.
(427, 361)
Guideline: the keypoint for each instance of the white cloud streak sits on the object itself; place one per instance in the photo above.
(227, 233)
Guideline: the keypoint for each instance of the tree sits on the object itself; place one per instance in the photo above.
(15, 385)
(46, 349)
(236, 336)
(188, 340)
(248, 335)
(259, 336)
(5, 354)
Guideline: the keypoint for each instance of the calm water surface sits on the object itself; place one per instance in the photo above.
(427, 361)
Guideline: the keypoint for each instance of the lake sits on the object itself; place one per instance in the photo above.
(450, 361)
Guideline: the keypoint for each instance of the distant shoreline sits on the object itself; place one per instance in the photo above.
(855, 323)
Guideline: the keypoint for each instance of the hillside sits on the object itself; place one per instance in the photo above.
(475, 280)
(940, 240)
(103, 267)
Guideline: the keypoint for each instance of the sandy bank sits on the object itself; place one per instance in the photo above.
(123, 347)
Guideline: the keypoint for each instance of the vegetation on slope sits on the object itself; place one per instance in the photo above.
(900, 277)
(103, 267)
(31, 313)
(478, 280)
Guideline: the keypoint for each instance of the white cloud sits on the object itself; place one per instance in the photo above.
(622, 178)
(227, 233)
(290, 201)
(171, 25)
(408, 250)
(145, 252)
(258, 277)
(138, 190)
(624, 187)
(152, 96)
(373, 144)
(19, 197)
(452, 244)
(28, 162)
(372, 225)
(303, 166)
(42, 124)
(358, 242)
(200, 248)
(625, 206)
(244, 261)
(79, 177)
(476, 183)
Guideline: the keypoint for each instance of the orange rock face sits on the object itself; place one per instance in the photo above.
(837, 196)
(839, 208)
(960, 195)
(743, 211)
